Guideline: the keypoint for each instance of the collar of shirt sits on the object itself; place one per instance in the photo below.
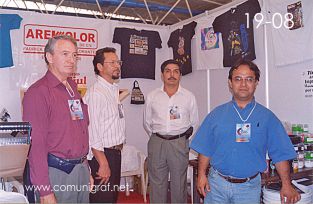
(179, 90)
(248, 106)
(53, 81)
(244, 112)
(106, 84)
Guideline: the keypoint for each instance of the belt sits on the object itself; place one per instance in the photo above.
(170, 137)
(66, 165)
(76, 161)
(115, 147)
(237, 180)
(187, 133)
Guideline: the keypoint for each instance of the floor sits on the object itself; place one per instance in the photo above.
(135, 197)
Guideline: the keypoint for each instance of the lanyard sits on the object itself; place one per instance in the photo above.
(70, 90)
(248, 115)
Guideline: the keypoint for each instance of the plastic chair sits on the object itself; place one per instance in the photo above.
(190, 180)
(12, 197)
(133, 164)
(192, 155)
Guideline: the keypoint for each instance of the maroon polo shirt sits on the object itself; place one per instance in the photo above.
(45, 106)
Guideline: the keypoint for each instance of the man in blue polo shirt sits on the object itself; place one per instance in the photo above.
(234, 139)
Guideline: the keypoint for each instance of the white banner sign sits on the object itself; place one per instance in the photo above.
(36, 36)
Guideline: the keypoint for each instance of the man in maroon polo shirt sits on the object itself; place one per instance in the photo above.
(59, 119)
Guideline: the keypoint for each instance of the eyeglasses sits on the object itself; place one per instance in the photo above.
(248, 80)
(118, 62)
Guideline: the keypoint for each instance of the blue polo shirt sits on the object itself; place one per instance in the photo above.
(7, 23)
(216, 138)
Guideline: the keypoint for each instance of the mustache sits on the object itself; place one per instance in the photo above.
(172, 78)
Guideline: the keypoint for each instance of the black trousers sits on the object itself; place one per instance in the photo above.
(106, 193)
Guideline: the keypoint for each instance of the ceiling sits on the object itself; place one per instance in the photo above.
(159, 11)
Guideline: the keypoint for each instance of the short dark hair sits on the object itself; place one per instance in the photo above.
(170, 61)
(49, 48)
(99, 57)
(249, 63)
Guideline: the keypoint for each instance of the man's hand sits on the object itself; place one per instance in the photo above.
(91, 183)
(288, 194)
(48, 199)
(203, 184)
(104, 173)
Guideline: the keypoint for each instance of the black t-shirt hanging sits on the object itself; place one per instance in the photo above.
(180, 41)
(238, 40)
(137, 52)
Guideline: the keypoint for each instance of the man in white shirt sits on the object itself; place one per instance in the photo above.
(170, 115)
(106, 127)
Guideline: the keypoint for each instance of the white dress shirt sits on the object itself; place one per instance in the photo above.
(170, 115)
(106, 127)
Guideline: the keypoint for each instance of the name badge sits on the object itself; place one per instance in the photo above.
(76, 109)
(120, 110)
(174, 113)
(243, 132)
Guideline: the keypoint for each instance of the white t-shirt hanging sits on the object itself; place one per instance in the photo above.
(207, 58)
(291, 45)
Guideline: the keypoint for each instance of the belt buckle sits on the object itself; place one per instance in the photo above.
(117, 147)
(229, 179)
(78, 161)
(234, 180)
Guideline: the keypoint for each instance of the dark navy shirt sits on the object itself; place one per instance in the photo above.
(236, 26)
(137, 52)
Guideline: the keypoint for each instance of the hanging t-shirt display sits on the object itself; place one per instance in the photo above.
(7, 23)
(237, 35)
(292, 40)
(180, 41)
(208, 52)
(137, 52)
